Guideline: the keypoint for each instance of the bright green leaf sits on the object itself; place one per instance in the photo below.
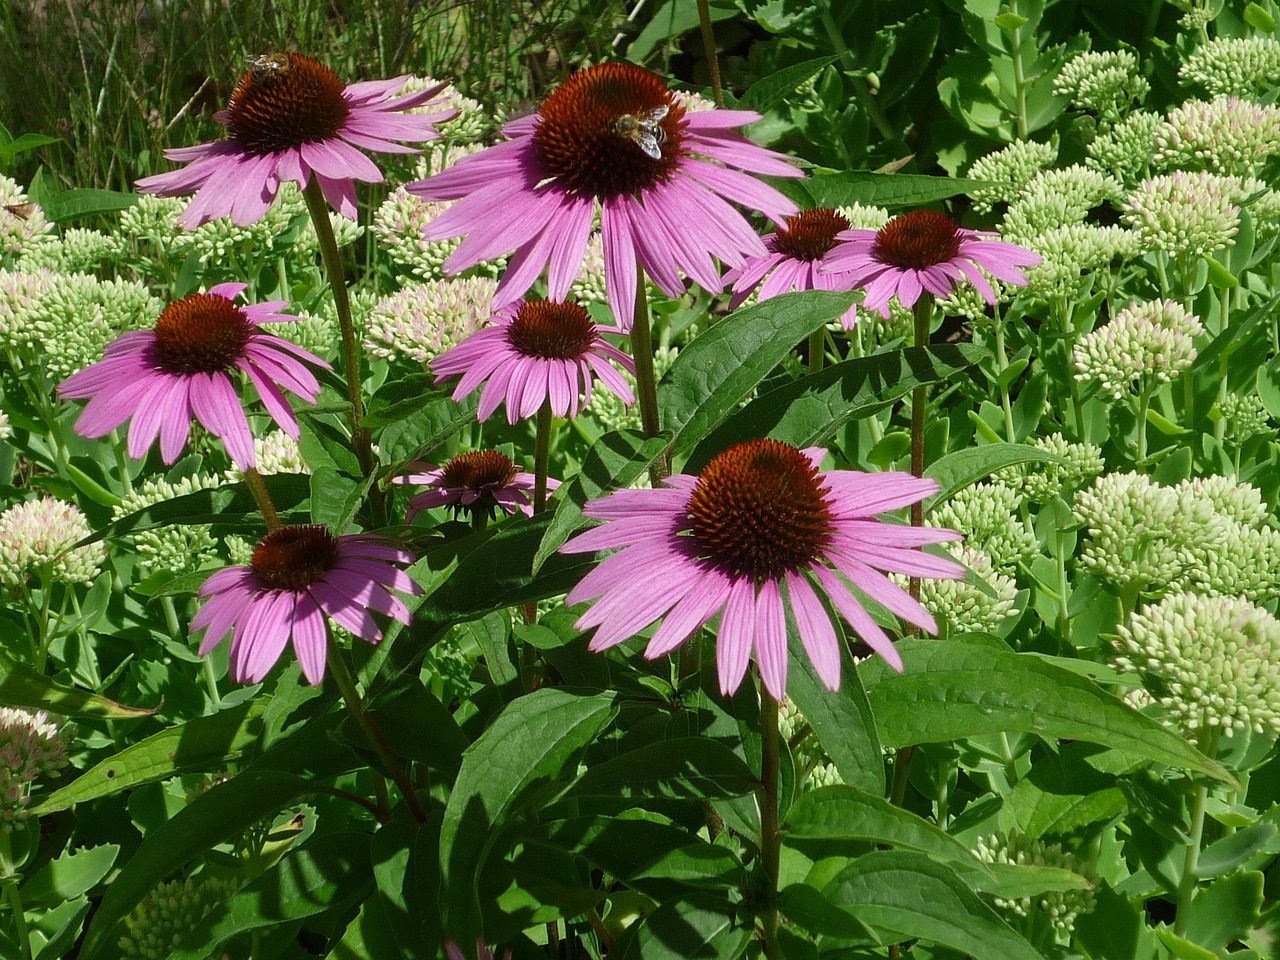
(774, 87)
(21, 686)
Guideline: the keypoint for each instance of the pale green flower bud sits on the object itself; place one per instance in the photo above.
(1125, 150)
(969, 607)
(1229, 66)
(424, 320)
(1183, 214)
(180, 548)
(1105, 83)
(1061, 907)
(1011, 168)
(988, 516)
(1144, 344)
(169, 913)
(31, 747)
(1227, 135)
(34, 539)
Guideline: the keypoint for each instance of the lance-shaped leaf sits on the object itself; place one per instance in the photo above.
(21, 686)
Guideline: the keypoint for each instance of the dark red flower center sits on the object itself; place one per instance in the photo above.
(810, 233)
(283, 101)
(610, 130)
(552, 331)
(760, 509)
(202, 333)
(293, 558)
(480, 470)
(917, 240)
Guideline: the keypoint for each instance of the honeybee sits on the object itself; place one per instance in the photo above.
(22, 211)
(269, 65)
(642, 128)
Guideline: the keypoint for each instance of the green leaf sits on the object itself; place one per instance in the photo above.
(532, 743)
(841, 720)
(1269, 390)
(85, 202)
(199, 745)
(724, 364)
(406, 871)
(950, 690)
(1226, 910)
(1237, 849)
(1260, 18)
(23, 144)
(624, 847)
(810, 410)
(807, 907)
(613, 462)
(1015, 881)
(690, 768)
(959, 469)
(697, 864)
(429, 426)
(330, 872)
(1182, 948)
(903, 895)
(886, 189)
(22, 686)
(840, 821)
(700, 927)
(221, 813)
(764, 93)
(68, 876)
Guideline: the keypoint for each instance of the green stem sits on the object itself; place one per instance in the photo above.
(709, 48)
(1191, 858)
(646, 379)
(541, 456)
(361, 440)
(341, 674)
(923, 318)
(817, 350)
(253, 480)
(14, 900)
(210, 681)
(1064, 585)
(1144, 404)
(1019, 75)
(769, 839)
(901, 768)
(859, 82)
(1002, 364)
(122, 461)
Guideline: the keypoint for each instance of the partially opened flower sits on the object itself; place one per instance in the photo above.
(478, 482)
(291, 118)
(536, 352)
(759, 537)
(615, 137)
(796, 254)
(182, 369)
(920, 251)
(298, 576)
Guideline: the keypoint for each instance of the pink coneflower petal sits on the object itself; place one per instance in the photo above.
(536, 352)
(614, 136)
(299, 574)
(760, 514)
(183, 368)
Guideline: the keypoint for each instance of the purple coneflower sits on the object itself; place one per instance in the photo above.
(296, 577)
(615, 136)
(536, 351)
(923, 250)
(759, 532)
(479, 483)
(291, 118)
(163, 377)
(796, 254)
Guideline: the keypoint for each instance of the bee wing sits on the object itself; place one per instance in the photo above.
(649, 144)
(655, 114)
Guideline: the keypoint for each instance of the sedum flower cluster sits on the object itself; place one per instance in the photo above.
(160, 922)
(1145, 345)
(1104, 83)
(1042, 482)
(1212, 662)
(988, 516)
(35, 540)
(1009, 170)
(180, 548)
(23, 227)
(1062, 907)
(1125, 151)
(424, 320)
(1226, 135)
(1184, 214)
(31, 747)
(1230, 66)
(980, 603)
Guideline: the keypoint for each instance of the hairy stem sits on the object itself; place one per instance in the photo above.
(253, 480)
(769, 840)
(709, 48)
(923, 317)
(646, 379)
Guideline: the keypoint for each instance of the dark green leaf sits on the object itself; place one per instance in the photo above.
(804, 905)
(699, 927)
(221, 813)
(199, 745)
(1237, 849)
(406, 871)
(85, 202)
(724, 364)
(687, 768)
(886, 189)
(28, 141)
(959, 469)
(624, 847)
(22, 686)
(810, 410)
(427, 427)
(1226, 910)
(528, 746)
(766, 92)
(950, 690)
(903, 895)
(68, 876)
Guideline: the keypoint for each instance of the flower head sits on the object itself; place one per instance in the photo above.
(1061, 906)
(424, 320)
(1184, 214)
(297, 576)
(31, 746)
(1213, 662)
(163, 377)
(535, 352)
(1102, 82)
(170, 912)
(615, 137)
(1147, 343)
(478, 482)
(923, 251)
(36, 537)
(1226, 135)
(758, 532)
(1239, 66)
(1009, 170)
(796, 253)
(290, 119)
(22, 223)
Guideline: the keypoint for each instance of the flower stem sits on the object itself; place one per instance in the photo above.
(709, 47)
(1002, 364)
(253, 480)
(855, 77)
(541, 455)
(817, 350)
(355, 706)
(1191, 858)
(646, 379)
(361, 441)
(14, 899)
(769, 840)
(1019, 75)
(1144, 404)
(923, 317)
